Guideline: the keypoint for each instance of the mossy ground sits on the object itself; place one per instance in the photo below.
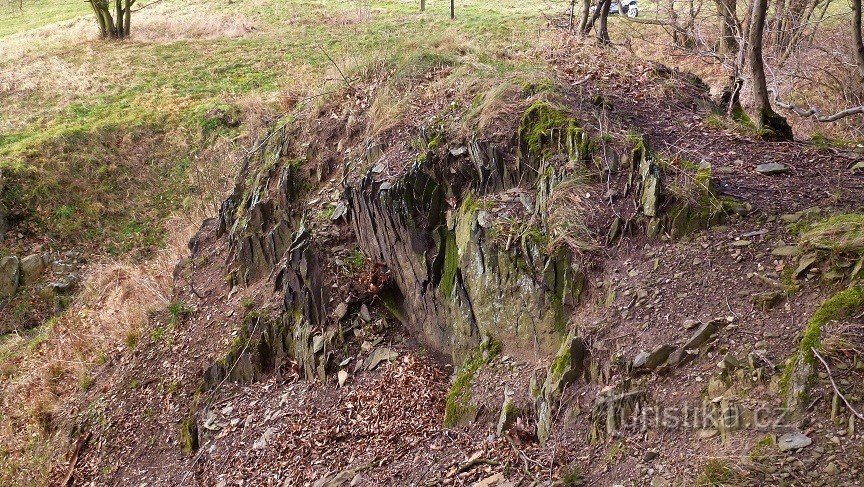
(458, 403)
(544, 127)
(842, 304)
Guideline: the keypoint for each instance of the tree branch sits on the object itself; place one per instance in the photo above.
(814, 112)
(856, 413)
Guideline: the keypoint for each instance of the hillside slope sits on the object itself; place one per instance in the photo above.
(467, 253)
(614, 271)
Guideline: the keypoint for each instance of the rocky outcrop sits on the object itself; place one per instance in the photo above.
(10, 276)
(457, 278)
(566, 368)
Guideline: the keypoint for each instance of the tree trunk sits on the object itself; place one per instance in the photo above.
(583, 21)
(117, 26)
(602, 29)
(857, 34)
(728, 26)
(127, 22)
(772, 125)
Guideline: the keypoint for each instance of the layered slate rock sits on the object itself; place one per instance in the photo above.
(10, 276)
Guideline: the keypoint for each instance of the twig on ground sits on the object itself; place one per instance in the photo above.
(344, 78)
(834, 384)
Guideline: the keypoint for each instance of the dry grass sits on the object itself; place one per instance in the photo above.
(183, 22)
(42, 372)
(839, 234)
(567, 210)
(161, 23)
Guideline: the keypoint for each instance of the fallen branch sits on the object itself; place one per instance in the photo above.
(834, 384)
(73, 461)
(814, 112)
(476, 460)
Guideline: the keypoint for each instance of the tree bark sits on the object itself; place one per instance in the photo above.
(857, 35)
(117, 26)
(727, 10)
(772, 125)
(583, 21)
(603, 28)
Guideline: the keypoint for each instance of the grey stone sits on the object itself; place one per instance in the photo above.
(32, 267)
(10, 276)
(364, 314)
(699, 338)
(786, 251)
(508, 416)
(651, 194)
(565, 369)
(63, 286)
(381, 354)
(340, 311)
(793, 441)
(649, 455)
(654, 358)
(771, 168)
(484, 219)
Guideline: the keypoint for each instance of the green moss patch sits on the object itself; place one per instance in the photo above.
(839, 233)
(458, 405)
(546, 129)
(801, 366)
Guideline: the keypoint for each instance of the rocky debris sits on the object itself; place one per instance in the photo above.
(793, 441)
(653, 359)
(381, 354)
(10, 276)
(707, 331)
(61, 287)
(768, 300)
(566, 367)
(33, 266)
(771, 168)
(613, 409)
(508, 416)
(786, 251)
(805, 263)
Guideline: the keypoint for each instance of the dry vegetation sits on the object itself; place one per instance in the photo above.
(178, 80)
(819, 72)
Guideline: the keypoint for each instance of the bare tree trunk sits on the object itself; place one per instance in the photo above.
(603, 28)
(594, 16)
(728, 26)
(583, 20)
(127, 22)
(772, 125)
(117, 26)
(857, 34)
